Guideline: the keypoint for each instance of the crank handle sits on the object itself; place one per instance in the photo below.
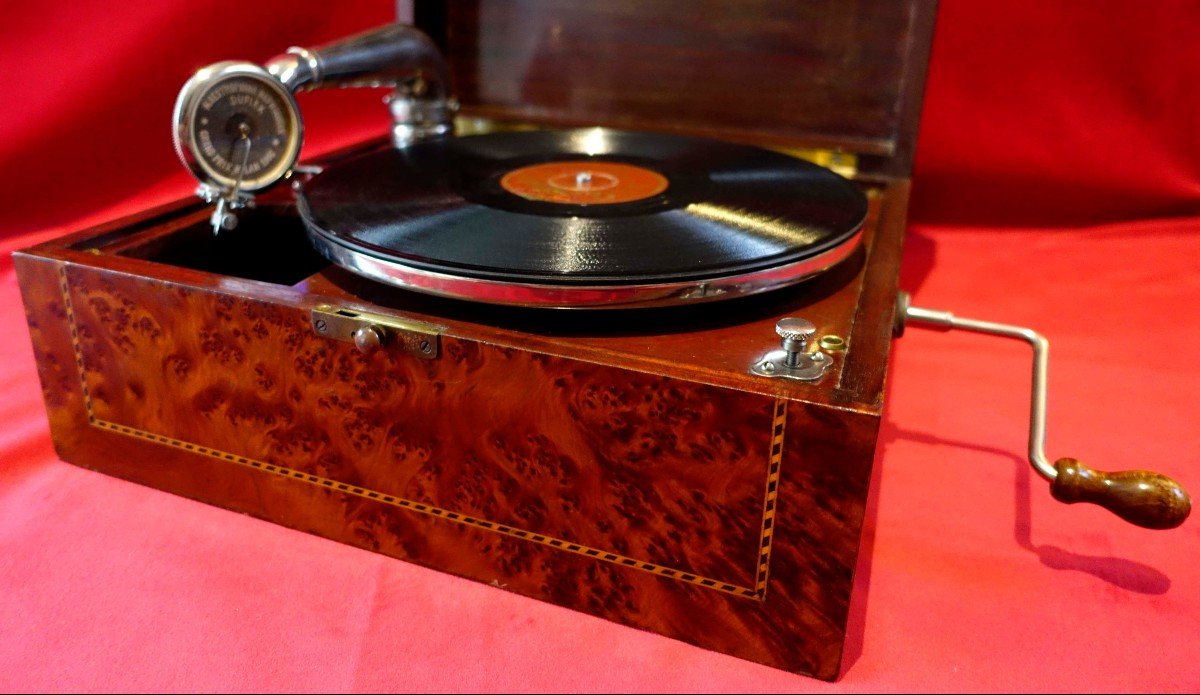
(1144, 498)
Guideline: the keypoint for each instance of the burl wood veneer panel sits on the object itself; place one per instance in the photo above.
(723, 518)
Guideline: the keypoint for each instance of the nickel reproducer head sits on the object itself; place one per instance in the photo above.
(238, 129)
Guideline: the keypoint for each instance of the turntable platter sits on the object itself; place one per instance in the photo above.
(579, 218)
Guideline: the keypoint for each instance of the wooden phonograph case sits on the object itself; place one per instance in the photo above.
(632, 366)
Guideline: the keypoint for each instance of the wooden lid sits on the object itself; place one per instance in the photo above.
(779, 72)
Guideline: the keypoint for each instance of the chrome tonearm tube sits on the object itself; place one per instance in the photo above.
(1144, 498)
(397, 56)
(238, 128)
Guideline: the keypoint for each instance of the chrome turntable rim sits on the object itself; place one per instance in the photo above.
(584, 218)
(597, 296)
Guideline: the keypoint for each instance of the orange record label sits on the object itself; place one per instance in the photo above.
(584, 182)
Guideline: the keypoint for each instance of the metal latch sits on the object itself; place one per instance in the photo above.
(369, 332)
(793, 360)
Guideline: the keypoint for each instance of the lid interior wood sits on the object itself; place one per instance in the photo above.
(846, 75)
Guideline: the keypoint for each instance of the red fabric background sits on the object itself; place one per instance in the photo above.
(1057, 185)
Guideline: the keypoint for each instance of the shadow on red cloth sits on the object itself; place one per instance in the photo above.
(1126, 574)
(1123, 573)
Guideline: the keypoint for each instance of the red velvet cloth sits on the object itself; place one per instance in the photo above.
(1039, 116)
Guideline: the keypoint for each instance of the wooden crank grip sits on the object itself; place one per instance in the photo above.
(1144, 498)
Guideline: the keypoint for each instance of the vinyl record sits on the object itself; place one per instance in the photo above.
(585, 209)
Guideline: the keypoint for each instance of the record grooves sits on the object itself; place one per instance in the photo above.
(450, 207)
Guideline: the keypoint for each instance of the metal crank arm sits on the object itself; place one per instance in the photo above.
(1144, 498)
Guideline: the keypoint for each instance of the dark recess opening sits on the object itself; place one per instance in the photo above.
(269, 245)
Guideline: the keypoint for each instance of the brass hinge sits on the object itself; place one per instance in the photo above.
(838, 161)
(370, 332)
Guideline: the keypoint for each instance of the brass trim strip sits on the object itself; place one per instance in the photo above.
(758, 593)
